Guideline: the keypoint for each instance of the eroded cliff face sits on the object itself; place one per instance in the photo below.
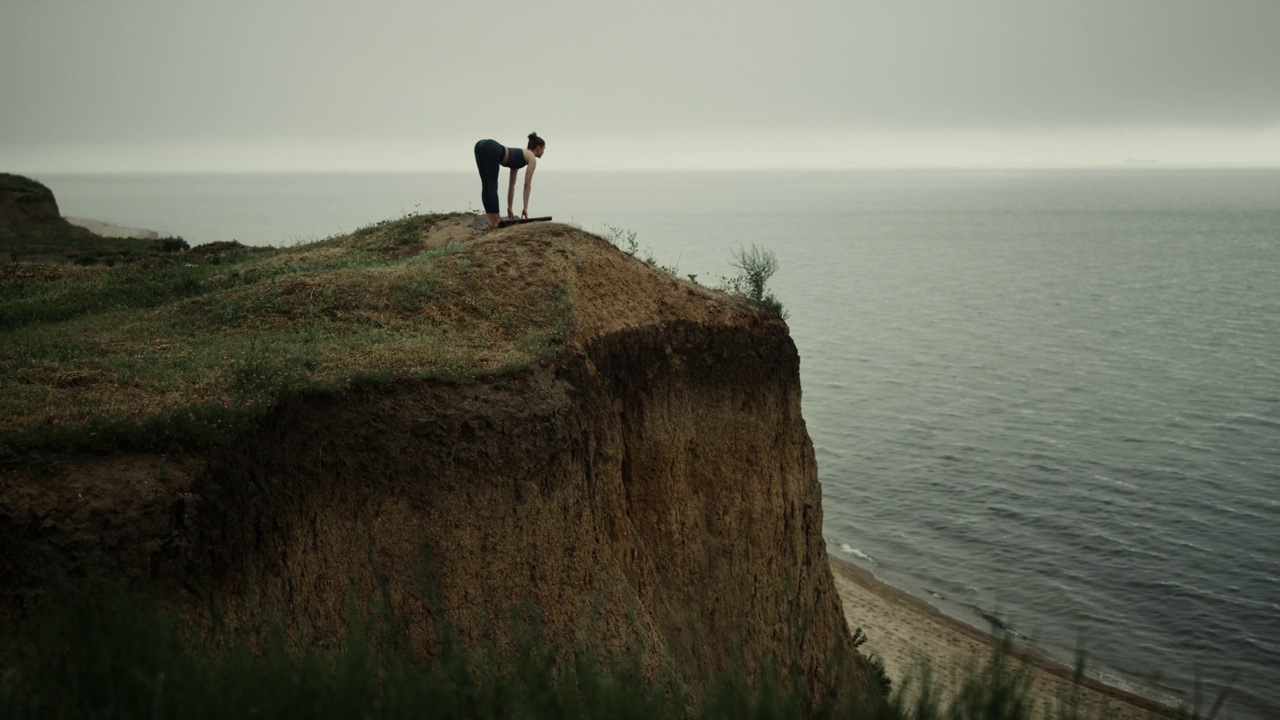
(653, 487)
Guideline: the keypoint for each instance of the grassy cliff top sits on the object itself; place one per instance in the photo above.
(187, 349)
(182, 350)
(17, 183)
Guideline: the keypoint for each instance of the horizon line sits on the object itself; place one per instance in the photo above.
(1122, 165)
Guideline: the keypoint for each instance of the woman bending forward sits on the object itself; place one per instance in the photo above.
(490, 154)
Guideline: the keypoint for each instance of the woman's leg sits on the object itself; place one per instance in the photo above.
(488, 160)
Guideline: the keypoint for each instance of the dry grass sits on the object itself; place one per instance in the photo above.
(413, 297)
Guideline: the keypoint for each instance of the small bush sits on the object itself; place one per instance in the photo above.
(756, 266)
(172, 244)
(624, 240)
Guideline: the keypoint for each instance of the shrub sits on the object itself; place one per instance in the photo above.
(756, 266)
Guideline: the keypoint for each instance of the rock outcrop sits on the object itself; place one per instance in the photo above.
(652, 487)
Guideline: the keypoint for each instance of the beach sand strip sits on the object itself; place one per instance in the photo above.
(106, 229)
(905, 631)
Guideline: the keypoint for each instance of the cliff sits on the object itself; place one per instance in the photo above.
(644, 481)
(28, 209)
(32, 228)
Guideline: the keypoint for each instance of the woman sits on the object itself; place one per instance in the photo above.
(489, 155)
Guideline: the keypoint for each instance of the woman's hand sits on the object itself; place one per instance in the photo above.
(511, 213)
(525, 213)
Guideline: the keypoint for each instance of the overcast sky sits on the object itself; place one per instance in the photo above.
(410, 85)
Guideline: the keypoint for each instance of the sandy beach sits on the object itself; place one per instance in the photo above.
(113, 231)
(902, 630)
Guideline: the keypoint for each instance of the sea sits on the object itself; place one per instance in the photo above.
(1047, 397)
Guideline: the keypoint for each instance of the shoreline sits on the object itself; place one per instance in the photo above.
(903, 631)
(106, 229)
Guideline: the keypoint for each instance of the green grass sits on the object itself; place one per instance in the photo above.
(101, 651)
(83, 248)
(17, 183)
(187, 351)
(97, 650)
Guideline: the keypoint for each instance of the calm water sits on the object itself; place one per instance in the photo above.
(1049, 396)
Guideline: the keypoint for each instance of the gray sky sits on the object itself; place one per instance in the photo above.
(398, 85)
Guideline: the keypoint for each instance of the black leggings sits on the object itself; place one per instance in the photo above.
(488, 160)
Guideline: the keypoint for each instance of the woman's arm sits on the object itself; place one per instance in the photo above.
(511, 194)
(528, 183)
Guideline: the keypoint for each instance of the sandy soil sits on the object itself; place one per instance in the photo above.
(115, 231)
(902, 629)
